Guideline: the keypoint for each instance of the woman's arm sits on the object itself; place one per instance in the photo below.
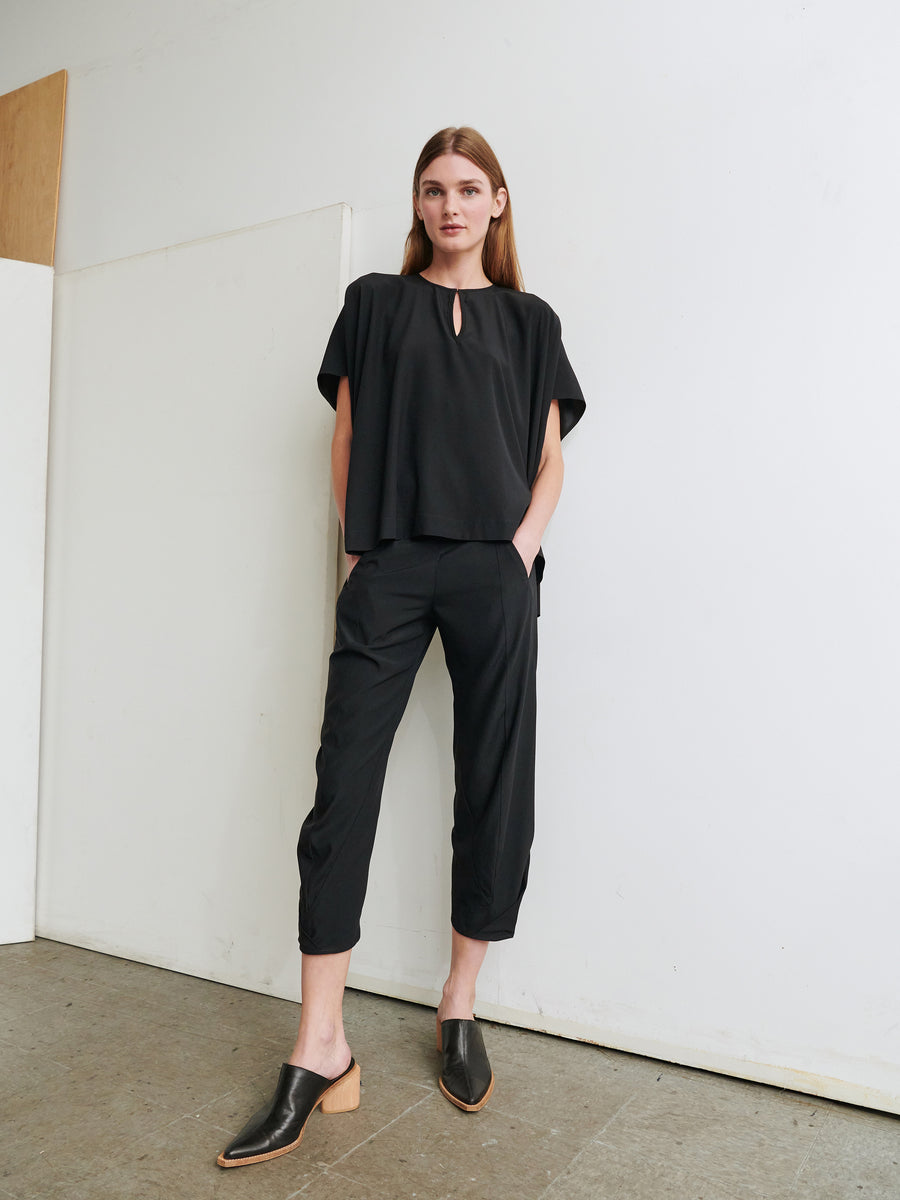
(544, 493)
(340, 455)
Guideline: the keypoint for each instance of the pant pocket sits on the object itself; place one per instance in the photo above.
(519, 559)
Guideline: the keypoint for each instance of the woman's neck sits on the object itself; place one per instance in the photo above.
(462, 271)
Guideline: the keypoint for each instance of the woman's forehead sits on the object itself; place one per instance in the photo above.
(452, 168)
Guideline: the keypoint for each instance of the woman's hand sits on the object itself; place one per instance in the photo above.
(525, 547)
(544, 493)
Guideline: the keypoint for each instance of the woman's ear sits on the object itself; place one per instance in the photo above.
(500, 198)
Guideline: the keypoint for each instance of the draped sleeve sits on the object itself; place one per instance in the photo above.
(567, 391)
(338, 359)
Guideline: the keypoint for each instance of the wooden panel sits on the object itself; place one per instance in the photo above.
(31, 129)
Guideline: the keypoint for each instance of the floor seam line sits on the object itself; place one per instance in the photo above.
(332, 1174)
(505, 1112)
(796, 1181)
(365, 1141)
(567, 1167)
(597, 1137)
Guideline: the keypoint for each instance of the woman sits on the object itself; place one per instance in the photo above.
(452, 393)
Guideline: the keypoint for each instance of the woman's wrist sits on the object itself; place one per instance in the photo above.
(526, 545)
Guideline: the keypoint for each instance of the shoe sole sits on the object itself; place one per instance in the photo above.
(468, 1107)
(352, 1079)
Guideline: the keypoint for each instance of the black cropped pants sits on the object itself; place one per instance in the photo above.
(480, 598)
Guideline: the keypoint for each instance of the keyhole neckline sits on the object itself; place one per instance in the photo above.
(463, 291)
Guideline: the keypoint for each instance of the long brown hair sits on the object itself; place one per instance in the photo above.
(498, 257)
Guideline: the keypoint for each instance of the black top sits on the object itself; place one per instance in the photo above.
(447, 429)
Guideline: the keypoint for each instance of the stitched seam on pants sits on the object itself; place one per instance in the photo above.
(503, 761)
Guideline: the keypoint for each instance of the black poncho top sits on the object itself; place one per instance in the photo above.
(447, 429)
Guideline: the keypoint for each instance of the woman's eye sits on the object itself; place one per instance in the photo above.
(431, 191)
(470, 191)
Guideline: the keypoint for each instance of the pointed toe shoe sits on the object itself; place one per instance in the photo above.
(466, 1076)
(278, 1127)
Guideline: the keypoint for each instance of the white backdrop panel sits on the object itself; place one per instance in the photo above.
(26, 303)
(191, 587)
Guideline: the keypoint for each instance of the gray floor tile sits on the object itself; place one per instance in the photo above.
(9, 1009)
(21, 1070)
(61, 1129)
(748, 1139)
(607, 1173)
(26, 990)
(437, 1152)
(569, 1086)
(857, 1154)
(199, 1003)
(144, 1055)
(175, 1070)
(193, 1004)
(64, 1027)
(332, 1186)
(178, 1163)
(37, 1177)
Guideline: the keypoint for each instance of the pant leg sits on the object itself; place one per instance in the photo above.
(486, 607)
(383, 628)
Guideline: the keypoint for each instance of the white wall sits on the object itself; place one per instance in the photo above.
(26, 300)
(190, 598)
(707, 195)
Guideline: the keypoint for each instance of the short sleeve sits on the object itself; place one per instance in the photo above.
(567, 391)
(334, 364)
(339, 352)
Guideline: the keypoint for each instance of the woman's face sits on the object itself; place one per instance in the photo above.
(456, 204)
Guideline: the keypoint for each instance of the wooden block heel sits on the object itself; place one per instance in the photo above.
(344, 1095)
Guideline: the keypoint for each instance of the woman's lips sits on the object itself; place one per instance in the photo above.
(451, 228)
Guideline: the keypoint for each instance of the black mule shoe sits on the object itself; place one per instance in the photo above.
(278, 1128)
(466, 1077)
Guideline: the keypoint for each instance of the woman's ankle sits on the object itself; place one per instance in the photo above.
(456, 1003)
(329, 1057)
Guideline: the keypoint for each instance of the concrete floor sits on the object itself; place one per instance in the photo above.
(119, 1080)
